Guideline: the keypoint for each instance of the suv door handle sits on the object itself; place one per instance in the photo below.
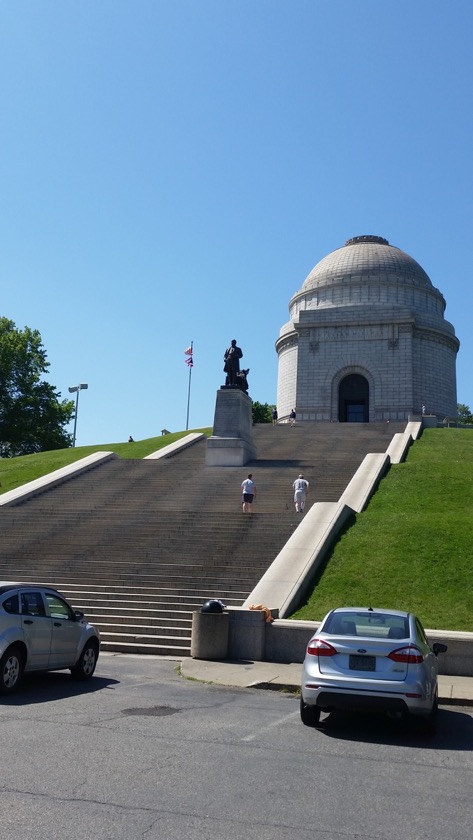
(58, 623)
(28, 621)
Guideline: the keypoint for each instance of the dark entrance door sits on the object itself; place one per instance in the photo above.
(353, 399)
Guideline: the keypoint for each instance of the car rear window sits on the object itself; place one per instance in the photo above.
(11, 604)
(370, 623)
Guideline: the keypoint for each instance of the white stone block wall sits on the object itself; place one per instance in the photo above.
(434, 364)
(287, 378)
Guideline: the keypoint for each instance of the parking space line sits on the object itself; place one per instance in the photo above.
(270, 726)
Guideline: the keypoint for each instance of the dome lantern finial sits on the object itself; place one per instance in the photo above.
(367, 238)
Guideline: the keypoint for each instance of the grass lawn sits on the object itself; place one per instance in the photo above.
(17, 471)
(412, 548)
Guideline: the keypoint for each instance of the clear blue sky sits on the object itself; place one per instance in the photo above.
(171, 172)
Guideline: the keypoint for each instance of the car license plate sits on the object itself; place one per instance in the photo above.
(362, 663)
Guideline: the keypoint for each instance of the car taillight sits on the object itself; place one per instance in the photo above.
(409, 654)
(317, 647)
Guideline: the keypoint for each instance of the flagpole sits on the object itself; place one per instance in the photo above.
(189, 387)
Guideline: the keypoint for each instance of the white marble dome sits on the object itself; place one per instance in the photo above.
(366, 257)
(367, 339)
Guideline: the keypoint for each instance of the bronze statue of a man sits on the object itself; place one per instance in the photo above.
(231, 359)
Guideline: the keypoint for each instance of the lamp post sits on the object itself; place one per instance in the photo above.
(75, 390)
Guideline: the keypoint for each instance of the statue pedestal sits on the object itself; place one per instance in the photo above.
(231, 444)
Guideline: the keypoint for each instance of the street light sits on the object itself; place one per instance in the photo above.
(75, 390)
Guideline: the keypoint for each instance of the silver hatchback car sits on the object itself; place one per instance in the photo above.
(370, 659)
(39, 631)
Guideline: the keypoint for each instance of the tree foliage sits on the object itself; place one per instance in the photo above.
(262, 412)
(32, 417)
(464, 414)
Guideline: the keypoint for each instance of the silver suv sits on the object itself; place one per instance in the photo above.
(39, 631)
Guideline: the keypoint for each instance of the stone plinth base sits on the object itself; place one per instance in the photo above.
(228, 452)
(247, 634)
(429, 421)
(209, 635)
(231, 444)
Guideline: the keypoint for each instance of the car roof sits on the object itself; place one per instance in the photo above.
(7, 585)
(401, 613)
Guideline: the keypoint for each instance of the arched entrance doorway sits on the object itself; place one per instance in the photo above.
(353, 399)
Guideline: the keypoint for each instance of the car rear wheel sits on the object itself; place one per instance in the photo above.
(430, 722)
(310, 715)
(86, 663)
(11, 669)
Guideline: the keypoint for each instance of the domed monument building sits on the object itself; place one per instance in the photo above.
(367, 340)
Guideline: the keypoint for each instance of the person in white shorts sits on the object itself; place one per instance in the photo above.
(301, 490)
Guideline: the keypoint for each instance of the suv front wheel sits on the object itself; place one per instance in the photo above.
(87, 661)
(11, 669)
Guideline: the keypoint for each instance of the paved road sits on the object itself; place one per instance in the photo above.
(140, 753)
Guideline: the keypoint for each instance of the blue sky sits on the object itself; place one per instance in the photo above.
(171, 172)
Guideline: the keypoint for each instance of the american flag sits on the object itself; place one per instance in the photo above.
(190, 362)
(188, 352)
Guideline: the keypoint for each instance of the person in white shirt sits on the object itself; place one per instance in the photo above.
(301, 490)
(248, 490)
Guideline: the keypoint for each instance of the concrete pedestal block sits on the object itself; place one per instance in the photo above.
(231, 444)
(228, 452)
(247, 634)
(209, 635)
(429, 421)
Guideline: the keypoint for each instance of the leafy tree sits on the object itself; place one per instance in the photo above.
(464, 414)
(262, 412)
(32, 418)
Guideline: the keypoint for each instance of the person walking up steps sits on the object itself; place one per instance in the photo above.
(301, 490)
(248, 490)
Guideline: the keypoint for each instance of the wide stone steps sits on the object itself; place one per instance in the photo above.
(171, 607)
(152, 644)
(130, 598)
(139, 545)
(112, 627)
(234, 589)
(155, 618)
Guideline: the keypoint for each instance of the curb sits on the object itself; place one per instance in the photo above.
(456, 701)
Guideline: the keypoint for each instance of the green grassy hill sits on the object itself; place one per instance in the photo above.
(412, 548)
(17, 471)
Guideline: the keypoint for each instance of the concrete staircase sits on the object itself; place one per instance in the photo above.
(139, 545)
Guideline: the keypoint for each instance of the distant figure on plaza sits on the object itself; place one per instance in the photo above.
(301, 491)
(248, 492)
(423, 409)
(292, 416)
(275, 416)
(231, 360)
(130, 439)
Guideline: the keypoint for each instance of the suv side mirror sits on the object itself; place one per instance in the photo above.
(78, 615)
(439, 648)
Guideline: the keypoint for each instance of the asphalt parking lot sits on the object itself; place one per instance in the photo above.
(141, 752)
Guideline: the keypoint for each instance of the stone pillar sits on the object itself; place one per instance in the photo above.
(247, 635)
(231, 444)
(209, 635)
(429, 421)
